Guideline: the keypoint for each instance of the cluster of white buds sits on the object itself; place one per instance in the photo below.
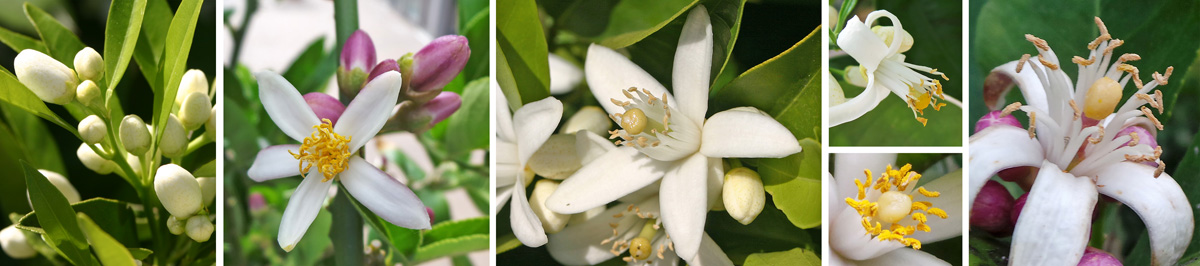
(183, 196)
(192, 101)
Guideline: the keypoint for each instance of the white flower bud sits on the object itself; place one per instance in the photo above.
(590, 118)
(93, 161)
(61, 183)
(195, 110)
(14, 243)
(134, 135)
(551, 221)
(89, 94)
(556, 159)
(89, 64)
(174, 138)
(199, 228)
(177, 190)
(174, 226)
(836, 95)
(208, 189)
(210, 126)
(92, 129)
(887, 33)
(193, 81)
(50, 80)
(134, 161)
(743, 194)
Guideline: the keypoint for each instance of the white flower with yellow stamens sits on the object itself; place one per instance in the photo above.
(631, 229)
(882, 69)
(875, 216)
(329, 152)
(1066, 139)
(668, 138)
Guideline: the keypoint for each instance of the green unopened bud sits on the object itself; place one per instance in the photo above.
(199, 228)
(210, 126)
(178, 190)
(590, 118)
(61, 183)
(174, 138)
(174, 226)
(552, 222)
(89, 64)
(195, 110)
(193, 81)
(49, 79)
(134, 135)
(92, 129)
(887, 33)
(208, 189)
(743, 194)
(15, 244)
(93, 161)
(89, 95)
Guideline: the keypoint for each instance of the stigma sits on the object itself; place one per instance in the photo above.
(324, 149)
(888, 209)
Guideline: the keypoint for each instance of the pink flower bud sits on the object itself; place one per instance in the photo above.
(993, 118)
(442, 106)
(325, 106)
(1017, 206)
(256, 202)
(992, 208)
(1096, 257)
(383, 67)
(1144, 136)
(439, 62)
(358, 52)
(430, 211)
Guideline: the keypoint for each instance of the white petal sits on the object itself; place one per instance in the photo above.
(580, 243)
(502, 194)
(533, 124)
(617, 173)
(862, 44)
(1054, 224)
(950, 200)
(1160, 203)
(525, 223)
(285, 106)
(716, 179)
(302, 208)
(564, 76)
(608, 73)
(999, 148)
(684, 201)
(893, 48)
(849, 166)
(1004, 77)
(274, 162)
(590, 146)
(504, 123)
(507, 167)
(837, 260)
(693, 63)
(384, 195)
(856, 107)
(557, 158)
(746, 132)
(848, 238)
(710, 254)
(367, 113)
(904, 256)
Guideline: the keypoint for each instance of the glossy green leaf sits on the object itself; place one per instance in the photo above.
(34, 138)
(1187, 174)
(155, 24)
(892, 124)
(523, 66)
(771, 231)
(306, 63)
(311, 248)
(60, 42)
(476, 30)
(120, 37)
(110, 252)
(114, 216)
(788, 87)
(794, 183)
(451, 247)
(12, 189)
(19, 42)
(453, 229)
(794, 256)
(985, 251)
(468, 127)
(174, 62)
(208, 169)
(57, 218)
(140, 253)
(620, 23)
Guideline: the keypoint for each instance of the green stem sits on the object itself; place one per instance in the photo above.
(195, 144)
(346, 231)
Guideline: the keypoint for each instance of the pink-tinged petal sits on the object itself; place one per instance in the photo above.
(1054, 224)
(608, 73)
(999, 148)
(367, 113)
(904, 256)
(746, 132)
(325, 106)
(1004, 77)
(1160, 203)
(302, 208)
(275, 162)
(384, 195)
(693, 62)
(384, 66)
(848, 167)
(710, 254)
(848, 239)
(285, 106)
(525, 224)
(533, 125)
(684, 201)
(615, 174)
(950, 200)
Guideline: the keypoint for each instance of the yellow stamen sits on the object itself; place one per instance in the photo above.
(894, 205)
(326, 150)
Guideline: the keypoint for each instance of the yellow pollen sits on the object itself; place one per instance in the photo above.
(326, 150)
(887, 213)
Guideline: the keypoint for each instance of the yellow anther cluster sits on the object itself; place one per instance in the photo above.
(895, 181)
(326, 150)
(919, 100)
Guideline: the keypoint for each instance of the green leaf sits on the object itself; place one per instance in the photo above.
(656, 52)
(57, 218)
(14, 92)
(19, 42)
(208, 169)
(311, 248)
(468, 127)
(771, 231)
(1186, 174)
(453, 229)
(114, 216)
(985, 251)
(523, 66)
(110, 252)
(120, 36)
(788, 87)
(476, 30)
(794, 256)
(306, 63)
(618, 24)
(34, 138)
(149, 49)
(451, 247)
(507, 242)
(140, 253)
(12, 189)
(60, 42)
(174, 63)
(892, 124)
(794, 183)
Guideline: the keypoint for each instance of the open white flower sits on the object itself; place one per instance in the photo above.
(329, 152)
(1066, 139)
(883, 68)
(635, 228)
(518, 136)
(873, 217)
(668, 139)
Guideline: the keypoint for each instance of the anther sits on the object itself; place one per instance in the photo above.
(1048, 64)
(1021, 63)
(1012, 107)
(1157, 124)
(1040, 43)
(1080, 61)
(1032, 124)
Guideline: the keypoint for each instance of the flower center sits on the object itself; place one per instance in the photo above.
(643, 111)
(888, 203)
(923, 92)
(326, 150)
(646, 243)
(1102, 98)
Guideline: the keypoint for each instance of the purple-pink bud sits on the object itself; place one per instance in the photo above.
(439, 62)
(430, 212)
(256, 202)
(358, 52)
(1096, 257)
(325, 106)
(993, 118)
(442, 106)
(383, 67)
(1017, 206)
(992, 208)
